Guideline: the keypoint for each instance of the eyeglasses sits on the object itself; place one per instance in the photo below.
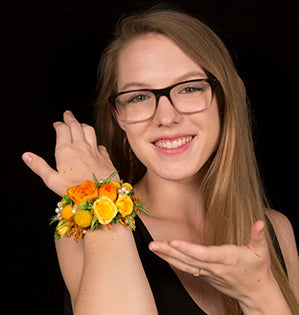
(188, 97)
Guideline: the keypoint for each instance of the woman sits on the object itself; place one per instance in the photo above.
(173, 118)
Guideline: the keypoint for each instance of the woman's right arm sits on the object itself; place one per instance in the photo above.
(113, 281)
(71, 258)
(103, 273)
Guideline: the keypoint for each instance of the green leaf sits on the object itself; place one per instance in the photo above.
(115, 220)
(54, 219)
(56, 236)
(94, 224)
(67, 201)
(108, 180)
(140, 205)
(144, 211)
(132, 192)
(87, 206)
(105, 181)
(96, 180)
(131, 223)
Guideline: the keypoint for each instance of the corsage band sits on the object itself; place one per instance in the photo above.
(91, 204)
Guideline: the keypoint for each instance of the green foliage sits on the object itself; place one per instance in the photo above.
(87, 206)
(67, 201)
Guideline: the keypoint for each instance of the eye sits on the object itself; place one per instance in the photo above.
(138, 98)
(191, 89)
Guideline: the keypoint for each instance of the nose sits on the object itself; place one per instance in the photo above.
(166, 114)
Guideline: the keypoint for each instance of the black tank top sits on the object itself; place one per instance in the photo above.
(170, 295)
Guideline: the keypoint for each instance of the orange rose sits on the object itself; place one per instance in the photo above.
(125, 205)
(80, 193)
(108, 190)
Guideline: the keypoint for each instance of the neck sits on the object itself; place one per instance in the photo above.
(181, 200)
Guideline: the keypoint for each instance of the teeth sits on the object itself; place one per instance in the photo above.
(173, 144)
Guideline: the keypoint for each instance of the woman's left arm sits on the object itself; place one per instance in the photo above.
(242, 272)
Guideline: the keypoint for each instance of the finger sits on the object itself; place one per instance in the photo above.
(103, 150)
(63, 133)
(210, 254)
(257, 237)
(163, 248)
(39, 166)
(89, 134)
(75, 126)
(182, 261)
(179, 264)
(174, 257)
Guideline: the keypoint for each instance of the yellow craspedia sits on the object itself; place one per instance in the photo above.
(104, 210)
(83, 218)
(125, 205)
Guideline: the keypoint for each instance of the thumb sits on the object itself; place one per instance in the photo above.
(257, 236)
(39, 166)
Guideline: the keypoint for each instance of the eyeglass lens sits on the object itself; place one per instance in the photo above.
(188, 97)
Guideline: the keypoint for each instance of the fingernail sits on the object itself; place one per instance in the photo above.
(153, 247)
(27, 158)
(174, 244)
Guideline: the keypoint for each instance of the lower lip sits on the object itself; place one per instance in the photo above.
(177, 150)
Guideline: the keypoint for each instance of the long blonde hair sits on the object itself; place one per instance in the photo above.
(234, 194)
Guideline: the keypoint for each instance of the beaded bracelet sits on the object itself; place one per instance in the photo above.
(91, 204)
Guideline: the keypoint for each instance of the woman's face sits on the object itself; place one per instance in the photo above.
(173, 146)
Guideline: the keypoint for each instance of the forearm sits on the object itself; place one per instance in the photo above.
(113, 280)
(266, 300)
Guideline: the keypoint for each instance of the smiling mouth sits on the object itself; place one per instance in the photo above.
(173, 143)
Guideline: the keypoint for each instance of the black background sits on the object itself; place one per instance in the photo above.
(50, 53)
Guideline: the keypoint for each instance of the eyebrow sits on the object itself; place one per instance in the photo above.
(189, 75)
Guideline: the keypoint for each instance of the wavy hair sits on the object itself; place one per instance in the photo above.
(234, 194)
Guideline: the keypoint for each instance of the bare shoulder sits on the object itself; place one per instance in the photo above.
(286, 238)
(283, 228)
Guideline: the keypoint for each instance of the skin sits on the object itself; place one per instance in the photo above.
(153, 61)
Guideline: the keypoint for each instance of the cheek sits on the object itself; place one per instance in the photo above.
(135, 138)
(206, 125)
(209, 128)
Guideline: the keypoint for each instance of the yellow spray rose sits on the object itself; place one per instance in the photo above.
(62, 229)
(104, 210)
(125, 205)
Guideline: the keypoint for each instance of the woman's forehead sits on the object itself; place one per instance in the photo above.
(153, 60)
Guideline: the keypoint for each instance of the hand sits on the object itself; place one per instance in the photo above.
(238, 271)
(77, 157)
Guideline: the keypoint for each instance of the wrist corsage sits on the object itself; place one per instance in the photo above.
(91, 204)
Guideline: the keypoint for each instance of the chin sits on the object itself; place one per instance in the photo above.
(172, 173)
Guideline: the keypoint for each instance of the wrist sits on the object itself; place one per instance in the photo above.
(266, 299)
(91, 205)
(105, 242)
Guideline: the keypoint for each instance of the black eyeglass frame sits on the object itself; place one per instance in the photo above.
(163, 92)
